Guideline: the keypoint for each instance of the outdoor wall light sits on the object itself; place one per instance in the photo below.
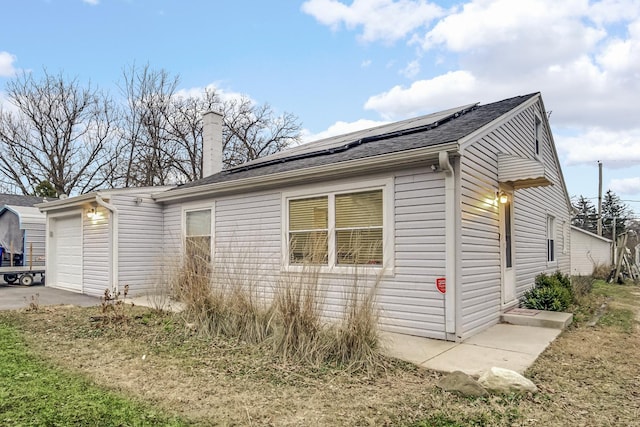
(91, 213)
(502, 197)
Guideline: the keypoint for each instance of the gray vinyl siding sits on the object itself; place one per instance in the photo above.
(140, 252)
(409, 300)
(248, 244)
(480, 279)
(96, 254)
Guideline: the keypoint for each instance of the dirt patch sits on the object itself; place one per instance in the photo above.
(588, 376)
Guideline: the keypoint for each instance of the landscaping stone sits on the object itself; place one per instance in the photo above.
(462, 384)
(505, 381)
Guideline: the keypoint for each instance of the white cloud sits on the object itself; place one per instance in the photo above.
(441, 92)
(223, 94)
(615, 149)
(92, 2)
(366, 63)
(340, 128)
(6, 64)
(385, 20)
(629, 186)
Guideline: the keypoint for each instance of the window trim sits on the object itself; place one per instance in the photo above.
(195, 208)
(330, 190)
(552, 255)
(537, 136)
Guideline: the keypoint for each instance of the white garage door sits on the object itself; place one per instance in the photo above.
(66, 253)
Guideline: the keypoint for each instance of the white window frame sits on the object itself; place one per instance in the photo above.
(537, 134)
(551, 236)
(331, 190)
(195, 208)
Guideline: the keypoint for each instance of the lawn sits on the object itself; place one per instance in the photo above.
(59, 367)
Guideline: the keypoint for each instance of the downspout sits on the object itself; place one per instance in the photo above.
(114, 241)
(450, 213)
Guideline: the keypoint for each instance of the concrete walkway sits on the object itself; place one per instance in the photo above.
(503, 345)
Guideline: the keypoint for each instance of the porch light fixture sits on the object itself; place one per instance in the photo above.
(91, 213)
(502, 197)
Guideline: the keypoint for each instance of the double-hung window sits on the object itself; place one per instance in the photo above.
(341, 228)
(198, 235)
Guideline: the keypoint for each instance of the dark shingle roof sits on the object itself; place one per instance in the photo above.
(19, 200)
(445, 131)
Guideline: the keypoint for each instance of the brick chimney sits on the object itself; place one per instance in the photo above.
(211, 143)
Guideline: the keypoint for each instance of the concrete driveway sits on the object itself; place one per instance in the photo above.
(13, 297)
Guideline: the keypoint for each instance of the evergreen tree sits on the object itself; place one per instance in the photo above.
(586, 216)
(613, 207)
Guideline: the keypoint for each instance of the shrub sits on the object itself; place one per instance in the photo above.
(551, 292)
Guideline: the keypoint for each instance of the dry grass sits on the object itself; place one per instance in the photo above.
(588, 376)
(291, 320)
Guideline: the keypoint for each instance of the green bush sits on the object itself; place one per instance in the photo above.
(551, 292)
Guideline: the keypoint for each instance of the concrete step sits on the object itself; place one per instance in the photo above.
(544, 319)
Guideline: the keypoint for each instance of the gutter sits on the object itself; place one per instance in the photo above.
(114, 241)
(349, 167)
(450, 213)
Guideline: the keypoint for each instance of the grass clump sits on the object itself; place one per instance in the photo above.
(550, 292)
(292, 320)
(35, 393)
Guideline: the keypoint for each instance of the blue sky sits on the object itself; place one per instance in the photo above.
(340, 66)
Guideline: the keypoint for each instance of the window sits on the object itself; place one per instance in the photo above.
(508, 236)
(308, 230)
(336, 229)
(551, 255)
(359, 228)
(198, 236)
(538, 130)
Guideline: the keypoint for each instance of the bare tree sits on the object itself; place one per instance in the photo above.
(147, 155)
(251, 131)
(73, 137)
(186, 132)
(162, 129)
(60, 132)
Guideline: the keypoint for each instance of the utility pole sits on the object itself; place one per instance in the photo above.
(599, 198)
(615, 242)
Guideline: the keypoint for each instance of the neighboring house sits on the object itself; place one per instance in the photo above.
(588, 250)
(471, 199)
(22, 230)
(104, 238)
(19, 200)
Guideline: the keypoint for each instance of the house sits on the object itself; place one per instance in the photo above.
(588, 250)
(22, 230)
(100, 239)
(454, 213)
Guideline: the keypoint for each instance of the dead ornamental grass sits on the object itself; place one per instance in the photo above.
(292, 318)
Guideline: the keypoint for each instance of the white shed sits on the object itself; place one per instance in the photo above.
(104, 240)
(587, 251)
(22, 235)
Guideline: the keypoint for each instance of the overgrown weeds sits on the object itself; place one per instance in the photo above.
(291, 319)
(113, 305)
